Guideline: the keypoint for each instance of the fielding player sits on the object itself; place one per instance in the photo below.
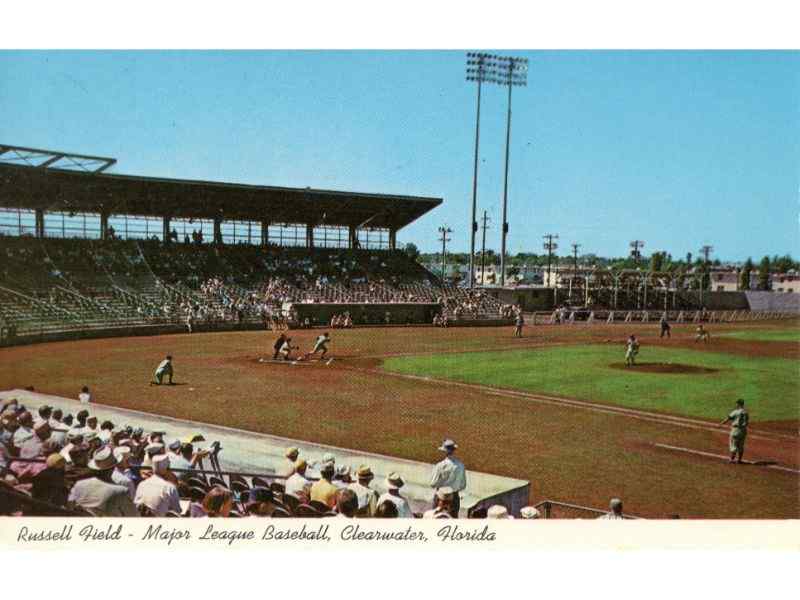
(164, 368)
(320, 345)
(632, 351)
(702, 334)
(665, 328)
(286, 349)
(518, 324)
(739, 419)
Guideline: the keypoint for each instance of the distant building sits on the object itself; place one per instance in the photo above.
(785, 282)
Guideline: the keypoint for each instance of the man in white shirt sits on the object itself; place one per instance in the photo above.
(59, 435)
(164, 368)
(39, 444)
(297, 485)
(367, 497)
(25, 430)
(444, 502)
(106, 432)
(290, 455)
(120, 475)
(80, 422)
(73, 440)
(98, 494)
(616, 510)
(156, 492)
(450, 472)
(394, 482)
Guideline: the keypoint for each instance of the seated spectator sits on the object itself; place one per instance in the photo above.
(394, 482)
(122, 473)
(444, 504)
(346, 503)
(158, 492)
(616, 510)
(24, 430)
(98, 494)
(498, 511)
(59, 428)
(529, 512)
(80, 421)
(323, 490)
(9, 427)
(342, 479)
(39, 444)
(106, 431)
(260, 502)
(291, 455)
(218, 502)
(73, 439)
(43, 414)
(366, 496)
(50, 484)
(386, 510)
(297, 485)
(85, 396)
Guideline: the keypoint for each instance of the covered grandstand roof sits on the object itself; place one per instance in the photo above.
(46, 186)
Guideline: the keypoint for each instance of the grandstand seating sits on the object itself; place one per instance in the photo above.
(54, 284)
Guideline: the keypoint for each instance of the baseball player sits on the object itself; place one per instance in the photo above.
(665, 328)
(278, 345)
(518, 324)
(320, 345)
(739, 419)
(286, 349)
(702, 334)
(189, 320)
(164, 368)
(632, 351)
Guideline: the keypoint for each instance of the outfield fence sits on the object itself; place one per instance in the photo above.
(591, 317)
(551, 509)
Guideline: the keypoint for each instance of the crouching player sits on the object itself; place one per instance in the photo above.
(164, 368)
(321, 345)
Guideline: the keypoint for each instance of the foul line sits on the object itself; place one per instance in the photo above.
(664, 419)
(724, 458)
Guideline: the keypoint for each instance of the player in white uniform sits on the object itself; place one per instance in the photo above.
(320, 345)
(164, 368)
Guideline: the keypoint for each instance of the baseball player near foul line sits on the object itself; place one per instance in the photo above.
(739, 419)
(321, 345)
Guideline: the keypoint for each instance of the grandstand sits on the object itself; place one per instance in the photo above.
(86, 250)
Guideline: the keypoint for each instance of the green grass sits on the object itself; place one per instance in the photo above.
(765, 335)
(768, 385)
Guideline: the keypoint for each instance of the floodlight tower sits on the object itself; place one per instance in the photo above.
(500, 70)
(444, 230)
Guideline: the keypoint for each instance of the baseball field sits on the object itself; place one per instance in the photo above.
(556, 407)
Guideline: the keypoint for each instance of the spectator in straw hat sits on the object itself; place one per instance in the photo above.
(342, 479)
(98, 494)
(290, 458)
(450, 472)
(498, 511)
(367, 497)
(297, 485)
(444, 504)
(158, 492)
(529, 512)
(323, 490)
(39, 444)
(393, 484)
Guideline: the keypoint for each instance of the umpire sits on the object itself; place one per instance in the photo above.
(278, 345)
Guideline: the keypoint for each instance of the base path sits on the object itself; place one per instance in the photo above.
(726, 458)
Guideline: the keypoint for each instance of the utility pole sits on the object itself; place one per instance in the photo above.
(706, 252)
(636, 245)
(574, 266)
(483, 248)
(444, 230)
(550, 246)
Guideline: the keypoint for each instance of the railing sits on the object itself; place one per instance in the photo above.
(551, 509)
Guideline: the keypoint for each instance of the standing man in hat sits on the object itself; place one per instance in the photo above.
(450, 472)
(164, 368)
(739, 419)
(98, 494)
(519, 322)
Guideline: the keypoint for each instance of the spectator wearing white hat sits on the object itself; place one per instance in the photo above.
(367, 497)
(616, 510)
(498, 511)
(450, 472)
(121, 475)
(98, 494)
(529, 512)
(157, 492)
(444, 502)
(342, 479)
(393, 484)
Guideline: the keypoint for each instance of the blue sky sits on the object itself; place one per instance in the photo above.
(676, 148)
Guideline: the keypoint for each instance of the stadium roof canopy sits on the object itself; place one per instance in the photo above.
(58, 181)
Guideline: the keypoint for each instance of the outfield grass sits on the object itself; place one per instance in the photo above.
(768, 385)
(765, 335)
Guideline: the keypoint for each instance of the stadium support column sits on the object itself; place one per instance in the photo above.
(264, 233)
(165, 230)
(218, 230)
(39, 223)
(392, 239)
(309, 235)
(103, 225)
(353, 236)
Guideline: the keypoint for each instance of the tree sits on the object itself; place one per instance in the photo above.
(763, 273)
(689, 258)
(746, 273)
(657, 262)
(411, 251)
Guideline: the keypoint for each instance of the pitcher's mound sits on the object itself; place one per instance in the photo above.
(664, 368)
